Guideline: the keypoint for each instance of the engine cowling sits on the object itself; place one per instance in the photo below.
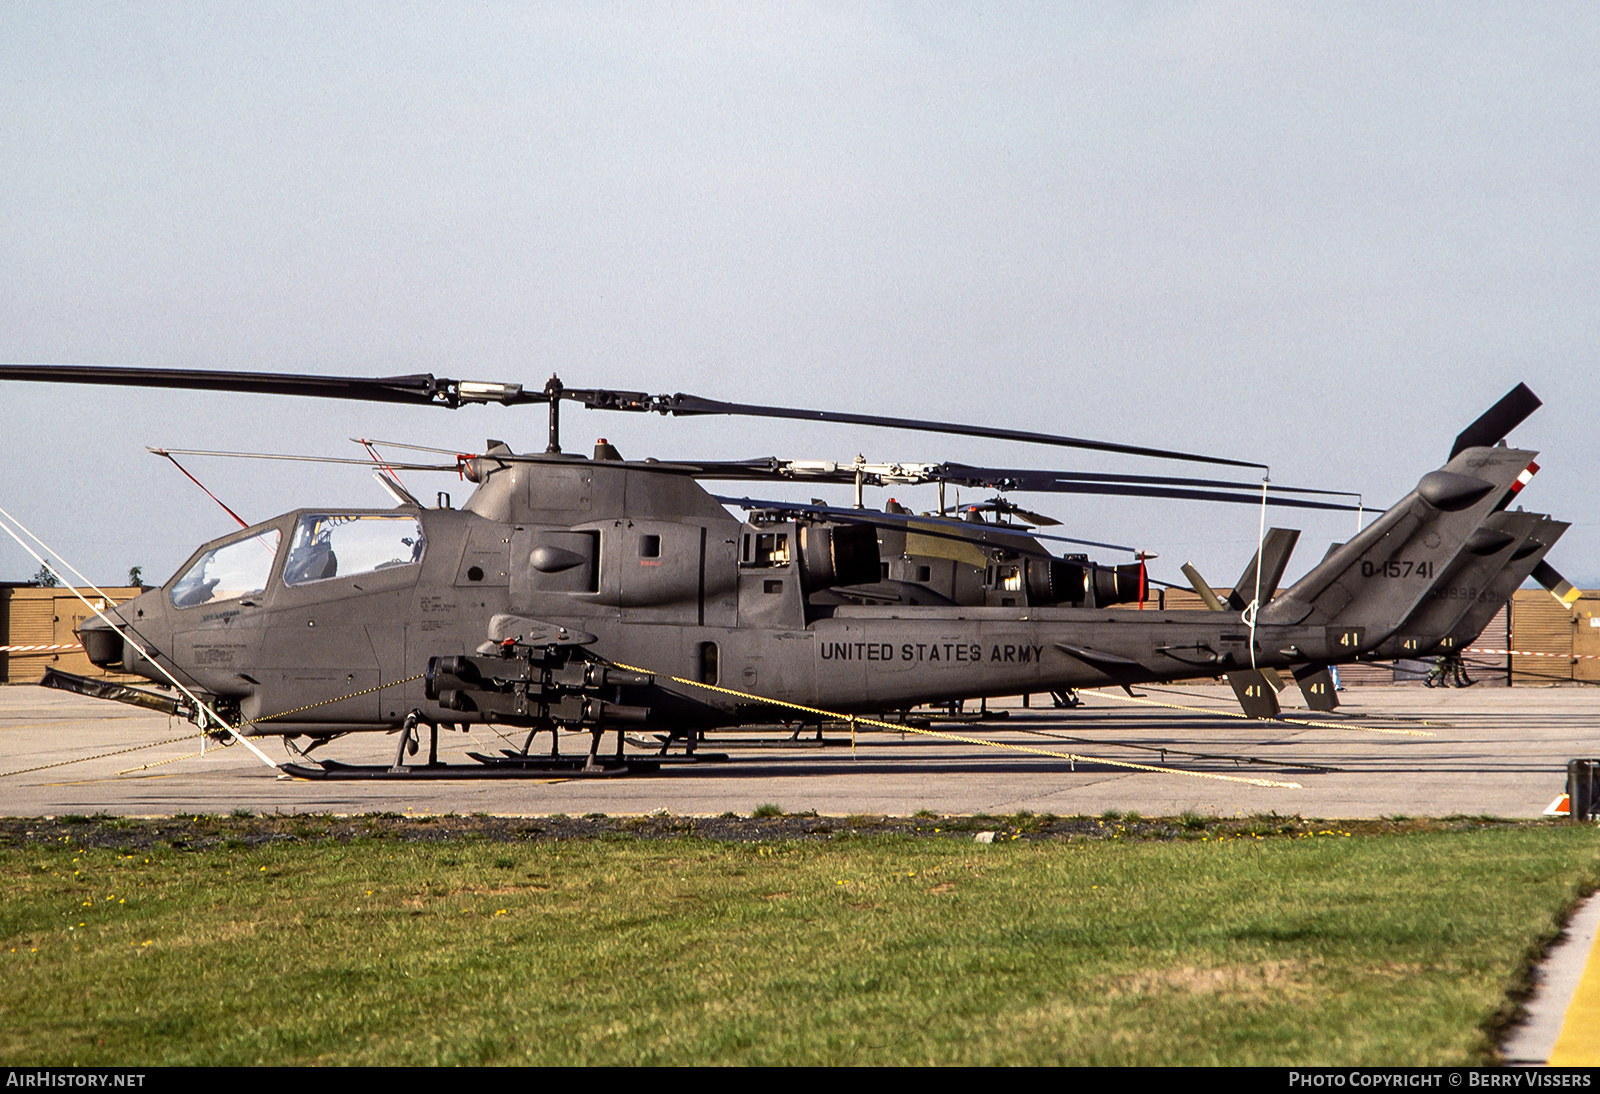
(838, 554)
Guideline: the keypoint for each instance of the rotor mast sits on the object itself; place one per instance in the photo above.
(552, 392)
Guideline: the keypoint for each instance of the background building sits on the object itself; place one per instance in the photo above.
(45, 618)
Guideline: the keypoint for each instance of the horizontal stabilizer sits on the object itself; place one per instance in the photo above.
(1276, 549)
(1207, 595)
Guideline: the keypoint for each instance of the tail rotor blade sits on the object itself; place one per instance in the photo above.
(1558, 586)
(1511, 411)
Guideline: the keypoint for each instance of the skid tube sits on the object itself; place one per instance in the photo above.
(508, 765)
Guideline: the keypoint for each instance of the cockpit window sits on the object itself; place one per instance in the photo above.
(236, 569)
(328, 545)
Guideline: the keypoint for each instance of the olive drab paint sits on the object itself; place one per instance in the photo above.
(593, 594)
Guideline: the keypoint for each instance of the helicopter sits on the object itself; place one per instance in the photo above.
(597, 594)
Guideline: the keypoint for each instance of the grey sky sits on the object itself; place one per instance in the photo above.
(1324, 237)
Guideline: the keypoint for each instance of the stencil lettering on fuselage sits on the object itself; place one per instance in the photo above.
(941, 653)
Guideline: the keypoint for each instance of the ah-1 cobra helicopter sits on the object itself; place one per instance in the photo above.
(596, 594)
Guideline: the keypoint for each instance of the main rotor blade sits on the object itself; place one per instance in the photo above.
(942, 527)
(1493, 424)
(682, 404)
(1011, 478)
(421, 389)
(1044, 482)
(429, 390)
(1127, 491)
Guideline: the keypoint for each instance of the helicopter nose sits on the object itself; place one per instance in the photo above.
(100, 642)
(104, 642)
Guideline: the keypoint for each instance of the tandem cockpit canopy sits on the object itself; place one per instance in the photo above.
(230, 571)
(322, 546)
(329, 545)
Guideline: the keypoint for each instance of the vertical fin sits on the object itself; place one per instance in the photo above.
(1464, 585)
(1523, 562)
(1516, 488)
(1365, 590)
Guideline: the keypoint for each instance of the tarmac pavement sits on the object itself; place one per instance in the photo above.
(1387, 751)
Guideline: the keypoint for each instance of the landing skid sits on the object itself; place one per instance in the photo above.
(610, 766)
(530, 769)
(510, 765)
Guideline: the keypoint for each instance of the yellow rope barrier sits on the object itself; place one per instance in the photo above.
(173, 760)
(340, 699)
(187, 736)
(1219, 712)
(962, 738)
(100, 756)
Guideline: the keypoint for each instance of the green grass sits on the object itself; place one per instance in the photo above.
(1315, 949)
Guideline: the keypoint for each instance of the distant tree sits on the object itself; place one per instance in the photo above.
(46, 578)
(136, 576)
